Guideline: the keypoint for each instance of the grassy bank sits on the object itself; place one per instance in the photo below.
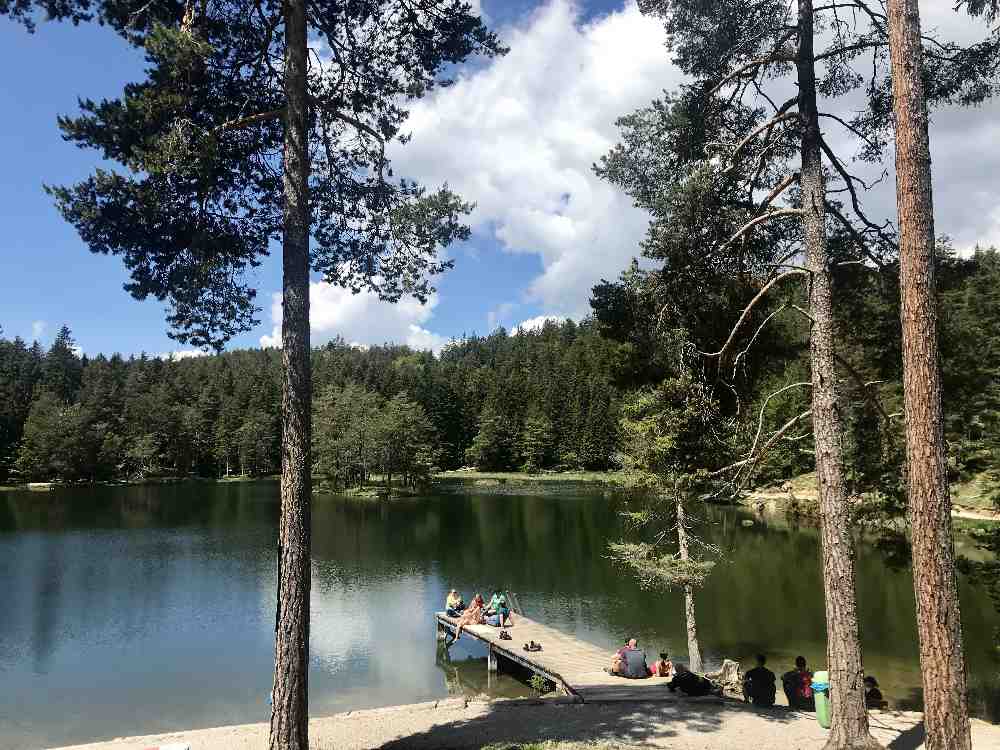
(593, 477)
(971, 499)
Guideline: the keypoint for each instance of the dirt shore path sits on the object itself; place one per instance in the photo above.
(697, 724)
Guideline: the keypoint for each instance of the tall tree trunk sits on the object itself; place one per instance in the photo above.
(694, 649)
(849, 728)
(290, 711)
(939, 623)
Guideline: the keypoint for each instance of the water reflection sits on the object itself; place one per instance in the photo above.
(141, 609)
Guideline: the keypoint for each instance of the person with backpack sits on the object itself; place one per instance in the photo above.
(758, 684)
(797, 684)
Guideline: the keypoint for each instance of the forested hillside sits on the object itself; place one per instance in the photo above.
(545, 399)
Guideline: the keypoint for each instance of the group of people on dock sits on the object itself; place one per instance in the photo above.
(759, 686)
(478, 611)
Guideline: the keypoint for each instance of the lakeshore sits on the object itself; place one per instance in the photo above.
(163, 596)
(460, 724)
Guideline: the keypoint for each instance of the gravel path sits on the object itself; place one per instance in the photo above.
(684, 724)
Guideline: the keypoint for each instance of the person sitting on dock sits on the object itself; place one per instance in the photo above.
(473, 615)
(663, 667)
(498, 612)
(630, 662)
(454, 605)
(758, 684)
(798, 686)
(692, 684)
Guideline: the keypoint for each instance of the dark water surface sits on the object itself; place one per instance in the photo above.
(144, 609)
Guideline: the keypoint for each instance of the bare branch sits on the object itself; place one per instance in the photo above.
(753, 339)
(779, 189)
(855, 234)
(764, 448)
(850, 48)
(849, 181)
(746, 312)
(757, 131)
(243, 122)
(779, 55)
(774, 214)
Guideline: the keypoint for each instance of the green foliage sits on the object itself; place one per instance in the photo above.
(535, 443)
(655, 570)
(493, 446)
(539, 684)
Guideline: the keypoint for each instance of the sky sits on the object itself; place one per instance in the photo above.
(517, 136)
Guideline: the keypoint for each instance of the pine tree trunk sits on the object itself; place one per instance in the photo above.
(939, 623)
(290, 711)
(694, 649)
(849, 727)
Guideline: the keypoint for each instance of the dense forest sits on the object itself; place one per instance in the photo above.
(542, 399)
(536, 399)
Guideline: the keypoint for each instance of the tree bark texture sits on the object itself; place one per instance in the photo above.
(290, 709)
(939, 624)
(694, 648)
(849, 727)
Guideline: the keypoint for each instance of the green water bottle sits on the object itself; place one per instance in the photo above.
(821, 693)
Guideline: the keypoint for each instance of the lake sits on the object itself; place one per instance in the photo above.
(133, 610)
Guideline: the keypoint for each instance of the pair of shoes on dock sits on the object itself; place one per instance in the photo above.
(505, 636)
(532, 646)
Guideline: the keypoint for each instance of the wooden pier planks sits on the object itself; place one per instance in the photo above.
(575, 666)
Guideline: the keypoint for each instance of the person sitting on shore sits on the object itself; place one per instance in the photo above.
(663, 667)
(873, 696)
(473, 615)
(630, 662)
(498, 612)
(454, 604)
(759, 684)
(797, 684)
(692, 684)
(618, 659)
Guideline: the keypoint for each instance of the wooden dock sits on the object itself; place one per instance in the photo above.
(574, 666)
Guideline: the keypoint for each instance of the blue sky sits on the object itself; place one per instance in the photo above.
(517, 136)
(48, 277)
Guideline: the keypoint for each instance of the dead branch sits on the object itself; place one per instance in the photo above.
(778, 212)
(855, 235)
(746, 312)
(764, 448)
(243, 122)
(779, 189)
(757, 131)
(779, 55)
(753, 339)
(849, 181)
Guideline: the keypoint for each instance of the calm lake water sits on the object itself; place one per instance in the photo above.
(144, 609)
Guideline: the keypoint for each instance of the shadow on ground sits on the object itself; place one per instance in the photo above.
(625, 723)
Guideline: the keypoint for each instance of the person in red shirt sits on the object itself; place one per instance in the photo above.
(798, 686)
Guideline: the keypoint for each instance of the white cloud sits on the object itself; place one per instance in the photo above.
(38, 329)
(361, 319)
(536, 323)
(519, 138)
